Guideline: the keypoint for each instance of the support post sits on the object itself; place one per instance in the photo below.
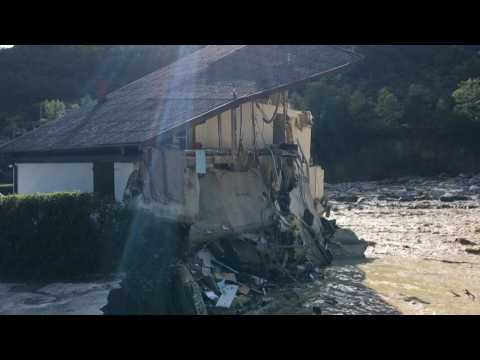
(219, 120)
(233, 115)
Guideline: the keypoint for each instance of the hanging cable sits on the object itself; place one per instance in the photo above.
(274, 113)
(241, 123)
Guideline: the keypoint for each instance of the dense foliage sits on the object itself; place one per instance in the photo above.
(64, 235)
(395, 85)
(467, 99)
(43, 81)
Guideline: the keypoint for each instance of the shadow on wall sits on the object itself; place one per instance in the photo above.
(375, 154)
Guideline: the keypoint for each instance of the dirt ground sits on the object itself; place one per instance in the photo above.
(423, 257)
(79, 298)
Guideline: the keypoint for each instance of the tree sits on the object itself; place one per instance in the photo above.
(420, 105)
(52, 110)
(11, 125)
(441, 107)
(86, 100)
(361, 109)
(388, 107)
(467, 99)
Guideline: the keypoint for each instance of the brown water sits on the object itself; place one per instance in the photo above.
(417, 286)
(390, 286)
(417, 263)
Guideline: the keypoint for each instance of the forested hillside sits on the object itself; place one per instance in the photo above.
(398, 86)
(40, 82)
(395, 86)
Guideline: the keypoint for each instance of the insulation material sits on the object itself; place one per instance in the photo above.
(317, 181)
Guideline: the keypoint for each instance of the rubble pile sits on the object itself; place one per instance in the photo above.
(237, 275)
(253, 227)
(243, 273)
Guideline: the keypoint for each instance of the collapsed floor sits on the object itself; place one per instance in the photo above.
(254, 228)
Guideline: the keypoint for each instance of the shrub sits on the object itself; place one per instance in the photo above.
(61, 236)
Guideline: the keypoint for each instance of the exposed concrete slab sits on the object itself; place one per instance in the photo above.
(231, 202)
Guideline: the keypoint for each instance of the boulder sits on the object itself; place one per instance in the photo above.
(346, 244)
(452, 198)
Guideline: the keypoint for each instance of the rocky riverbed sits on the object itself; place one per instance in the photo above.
(434, 218)
(423, 255)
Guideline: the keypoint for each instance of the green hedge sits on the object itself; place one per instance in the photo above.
(61, 235)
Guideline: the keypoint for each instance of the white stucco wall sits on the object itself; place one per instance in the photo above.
(54, 177)
(122, 173)
(60, 177)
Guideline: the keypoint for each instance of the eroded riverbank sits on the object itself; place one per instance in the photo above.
(424, 235)
(422, 258)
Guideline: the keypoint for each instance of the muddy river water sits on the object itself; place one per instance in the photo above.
(423, 257)
(396, 285)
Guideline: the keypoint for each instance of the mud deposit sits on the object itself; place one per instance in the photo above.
(79, 298)
(424, 237)
(423, 258)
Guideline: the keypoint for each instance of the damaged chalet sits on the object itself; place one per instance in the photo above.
(210, 141)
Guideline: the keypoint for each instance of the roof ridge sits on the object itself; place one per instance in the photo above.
(166, 68)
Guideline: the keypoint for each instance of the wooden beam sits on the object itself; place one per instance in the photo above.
(219, 120)
(233, 114)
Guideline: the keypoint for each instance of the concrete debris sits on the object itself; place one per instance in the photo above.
(345, 244)
(252, 227)
(211, 295)
(226, 276)
(228, 295)
(244, 290)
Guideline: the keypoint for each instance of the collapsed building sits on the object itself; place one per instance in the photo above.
(213, 142)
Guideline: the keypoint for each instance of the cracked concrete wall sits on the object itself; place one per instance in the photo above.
(231, 202)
